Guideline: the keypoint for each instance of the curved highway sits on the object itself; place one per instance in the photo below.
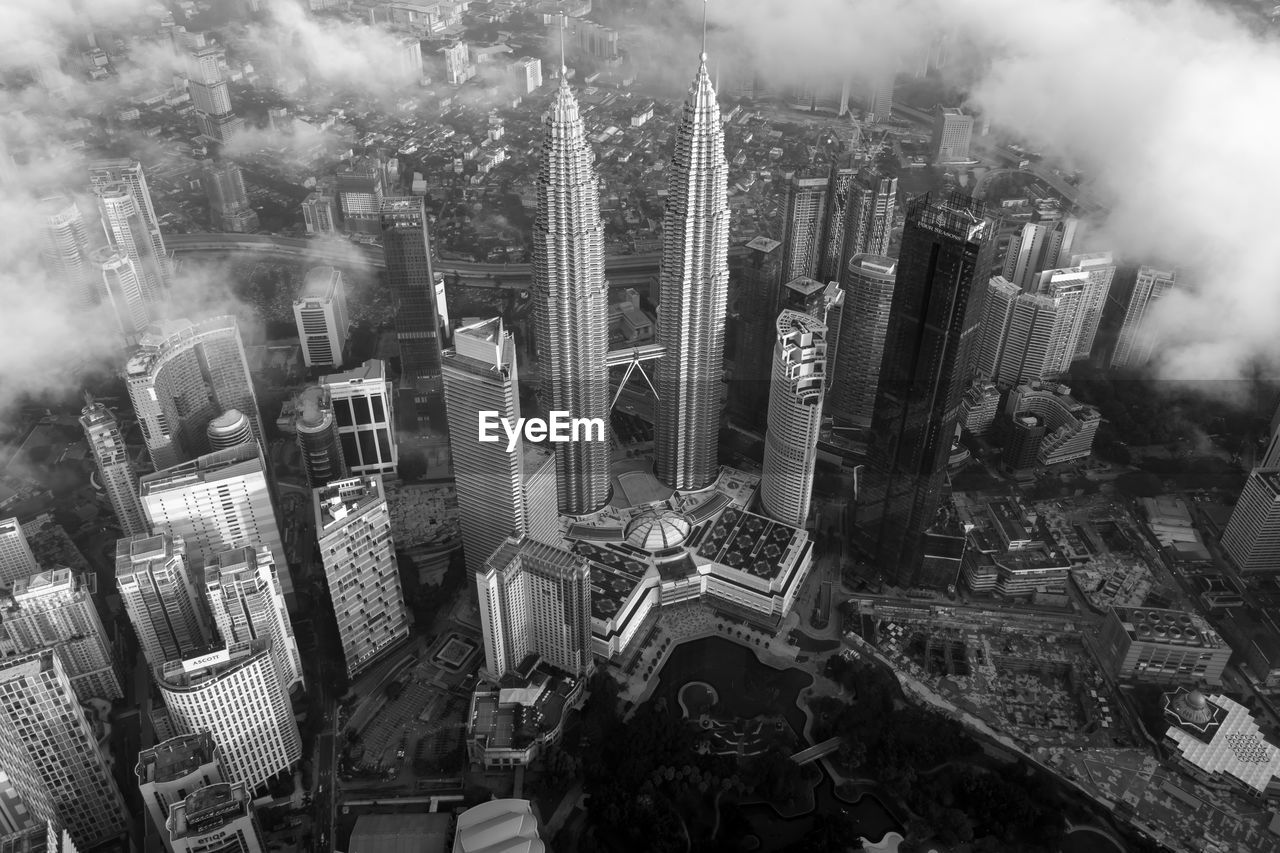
(621, 269)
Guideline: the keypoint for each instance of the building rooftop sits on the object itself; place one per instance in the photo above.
(209, 808)
(58, 579)
(1167, 627)
(320, 283)
(498, 826)
(175, 758)
(763, 244)
(804, 285)
(1218, 735)
(342, 499)
(210, 466)
(197, 671)
(373, 370)
(401, 833)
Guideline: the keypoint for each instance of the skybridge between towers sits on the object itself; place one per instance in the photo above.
(632, 357)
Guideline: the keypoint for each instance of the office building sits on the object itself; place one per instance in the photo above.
(408, 60)
(45, 837)
(50, 752)
(457, 63)
(55, 609)
(804, 226)
(407, 250)
(952, 131)
(116, 474)
(759, 279)
(131, 174)
(880, 97)
(692, 294)
(246, 603)
(1040, 244)
(64, 250)
(1024, 432)
(121, 289)
(795, 417)
(1017, 331)
(218, 501)
(229, 207)
(164, 606)
(1252, 535)
(529, 74)
(571, 301)
(220, 817)
(316, 429)
(353, 527)
(181, 377)
(480, 375)
(320, 312)
(868, 283)
(980, 407)
(541, 520)
(16, 559)
(364, 410)
(172, 769)
(210, 94)
(927, 365)
(361, 185)
(840, 186)
(1138, 337)
(229, 429)
(235, 695)
(126, 232)
(1164, 646)
(1068, 426)
(320, 213)
(535, 599)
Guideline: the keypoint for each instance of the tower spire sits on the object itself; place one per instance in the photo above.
(564, 70)
(704, 30)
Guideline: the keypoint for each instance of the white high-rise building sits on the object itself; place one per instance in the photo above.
(55, 609)
(1017, 334)
(363, 407)
(246, 604)
(952, 132)
(65, 249)
(692, 295)
(164, 606)
(115, 470)
(126, 232)
(1040, 245)
(172, 769)
(217, 817)
(803, 224)
(1070, 290)
(571, 301)
(795, 417)
(215, 502)
(535, 599)
(1252, 535)
(1101, 271)
(236, 696)
(530, 73)
(16, 559)
(130, 173)
(1137, 339)
(408, 66)
(320, 312)
(353, 527)
(123, 291)
(50, 752)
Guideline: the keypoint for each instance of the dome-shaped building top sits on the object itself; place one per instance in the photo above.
(657, 530)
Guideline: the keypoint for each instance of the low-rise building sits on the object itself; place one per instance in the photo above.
(514, 719)
(1217, 741)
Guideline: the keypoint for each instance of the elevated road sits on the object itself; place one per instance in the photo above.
(622, 270)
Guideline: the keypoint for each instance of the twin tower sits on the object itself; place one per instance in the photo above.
(571, 298)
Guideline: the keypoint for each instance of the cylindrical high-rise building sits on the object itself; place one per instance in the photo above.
(692, 294)
(66, 248)
(122, 289)
(571, 301)
(795, 417)
(868, 294)
(229, 429)
(317, 434)
(127, 232)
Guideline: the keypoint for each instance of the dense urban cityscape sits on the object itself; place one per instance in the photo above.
(638, 425)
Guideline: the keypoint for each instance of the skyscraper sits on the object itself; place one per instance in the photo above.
(1070, 291)
(55, 609)
(183, 375)
(1101, 270)
(229, 207)
(45, 837)
(317, 434)
(928, 360)
(407, 250)
(880, 97)
(1252, 535)
(759, 298)
(952, 131)
(220, 816)
(210, 94)
(246, 604)
(170, 770)
(121, 288)
(1137, 339)
(692, 294)
(50, 751)
(215, 502)
(236, 696)
(364, 408)
(229, 429)
(320, 212)
(126, 232)
(1040, 245)
(16, 559)
(869, 216)
(130, 173)
(571, 301)
(804, 226)
(1018, 331)
(320, 312)
(353, 527)
(835, 227)
(795, 417)
(867, 282)
(535, 599)
(480, 376)
(115, 470)
(361, 185)
(65, 249)
(164, 607)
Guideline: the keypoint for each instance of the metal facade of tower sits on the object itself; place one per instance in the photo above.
(795, 417)
(868, 282)
(693, 291)
(571, 301)
(928, 359)
(130, 173)
(115, 470)
(407, 250)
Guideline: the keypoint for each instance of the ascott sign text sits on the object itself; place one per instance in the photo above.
(559, 427)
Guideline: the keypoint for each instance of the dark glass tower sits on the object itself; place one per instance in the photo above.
(407, 250)
(928, 355)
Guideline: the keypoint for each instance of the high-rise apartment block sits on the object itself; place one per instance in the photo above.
(868, 283)
(928, 360)
(692, 295)
(1067, 427)
(835, 225)
(1252, 535)
(163, 603)
(65, 249)
(16, 559)
(50, 752)
(571, 302)
(868, 222)
(320, 213)
(1138, 339)
(1100, 269)
(535, 599)
(246, 603)
(320, 312)
(804, 226)
(120, 288)
(361, 185)
(182, 376)
(55, 609)
(457, 63)
(880, 97)
(1040, 245)
(795, 417)
(172, 769)
(952, 131)
(408, 60)
(316, 429)
(1017, 333)
(210, 94)
(229, 207)
(529, 74)
(130, 173)
(354, 530)
(363, 406)
(126, 232)
(407, 250)
(220, 816)
(236, 696)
